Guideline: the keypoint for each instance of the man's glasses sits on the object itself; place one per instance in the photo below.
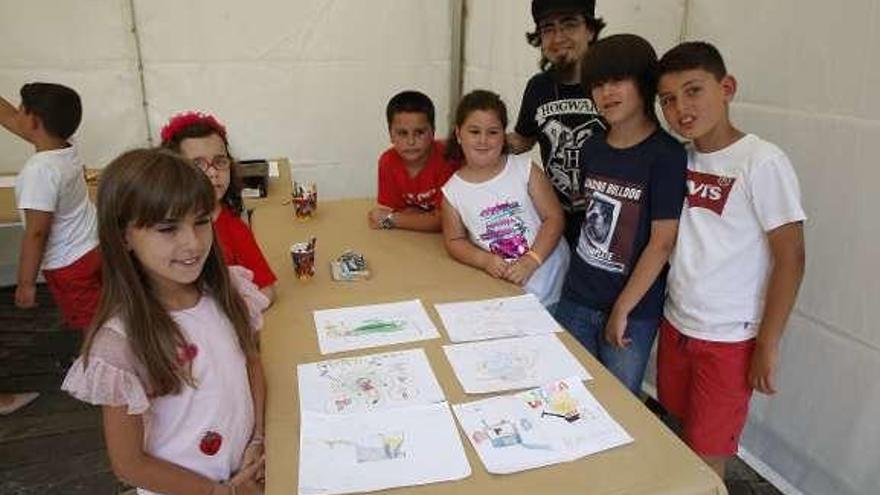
(220, 163)
(567, 26)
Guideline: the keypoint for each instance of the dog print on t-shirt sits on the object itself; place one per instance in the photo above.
(610, 223)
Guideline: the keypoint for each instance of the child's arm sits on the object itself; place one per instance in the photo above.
(269, 292)
(647, 268)
(33, 244)
(412, 219)
(256, 377)
(376, 215)
(250, 255)
(387, 194)
(124, 434)
(552, 226)
(7, 117)
(519, 143)
(460, 247)
(787, 251)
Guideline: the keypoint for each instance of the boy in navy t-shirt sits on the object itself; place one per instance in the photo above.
(634, 183)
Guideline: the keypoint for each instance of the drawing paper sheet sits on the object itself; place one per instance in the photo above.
(368, 383)
(360, 327)
(558, 422)
(510, 364)
(382, 449)
(496, 318)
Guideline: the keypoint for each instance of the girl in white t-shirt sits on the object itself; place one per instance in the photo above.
(173, 360)
(500, 213)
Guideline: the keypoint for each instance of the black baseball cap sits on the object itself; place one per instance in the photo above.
(542, 8)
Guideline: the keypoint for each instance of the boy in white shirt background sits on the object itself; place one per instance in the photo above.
(60, 234)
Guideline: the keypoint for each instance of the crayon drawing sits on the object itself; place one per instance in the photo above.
(359, 327)
(507, 365)
(365, 327)
(372, 448)
(506, 435)
(510, 364)
(496, 318)
(367, 383)
(377, 450)
(558, 422)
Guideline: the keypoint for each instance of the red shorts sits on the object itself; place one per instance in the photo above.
(77, 289)
(705, 384)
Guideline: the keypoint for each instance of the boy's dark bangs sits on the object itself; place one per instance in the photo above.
(616, 58)
(613, 63)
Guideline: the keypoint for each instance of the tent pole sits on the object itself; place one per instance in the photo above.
(456, 70)
(685, 21)
(140, 68)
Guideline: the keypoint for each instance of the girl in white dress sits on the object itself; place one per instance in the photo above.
(173, 359)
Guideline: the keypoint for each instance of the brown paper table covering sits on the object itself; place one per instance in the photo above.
(407, 265)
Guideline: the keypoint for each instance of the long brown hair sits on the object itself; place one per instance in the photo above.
(140, 188)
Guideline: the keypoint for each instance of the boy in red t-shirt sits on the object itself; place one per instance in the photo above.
(413, 170)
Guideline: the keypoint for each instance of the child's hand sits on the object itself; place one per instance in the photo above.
(496, 266)
(245, 480)
(254, 453)
(615, 329)
(26, 296)
(520, 271)
(763, 368)
(376, 215)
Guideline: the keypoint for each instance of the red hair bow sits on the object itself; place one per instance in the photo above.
(183, 120)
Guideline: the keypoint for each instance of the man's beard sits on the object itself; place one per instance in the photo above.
(566, 69)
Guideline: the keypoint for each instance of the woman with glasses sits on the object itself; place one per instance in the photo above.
(202, 139)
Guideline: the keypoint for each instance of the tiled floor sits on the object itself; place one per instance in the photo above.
(55, 445)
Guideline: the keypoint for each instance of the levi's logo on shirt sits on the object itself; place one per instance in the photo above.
(708, 191)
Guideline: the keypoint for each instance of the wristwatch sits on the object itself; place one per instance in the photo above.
(388, 221)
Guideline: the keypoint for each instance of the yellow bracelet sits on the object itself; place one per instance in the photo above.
(535, 256)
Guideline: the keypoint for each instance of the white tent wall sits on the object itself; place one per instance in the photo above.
(808, 75)
(305, 79)
(86, 45)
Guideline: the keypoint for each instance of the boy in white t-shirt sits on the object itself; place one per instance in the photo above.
(60, 221)
(737, 264)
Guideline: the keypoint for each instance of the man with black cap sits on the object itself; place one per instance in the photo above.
(555, 109)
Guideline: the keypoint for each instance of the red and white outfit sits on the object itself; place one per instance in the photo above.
(398, 191)
(716, 287)
(53, 181)
(204, 428)
(240, 247)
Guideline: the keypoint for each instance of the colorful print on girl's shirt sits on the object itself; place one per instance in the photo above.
(504, 230)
